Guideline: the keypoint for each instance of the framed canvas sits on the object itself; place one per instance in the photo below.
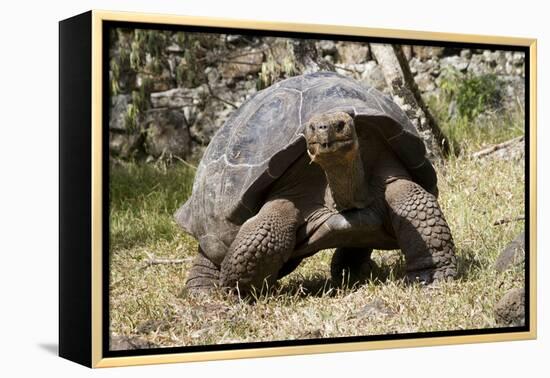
(234, 189)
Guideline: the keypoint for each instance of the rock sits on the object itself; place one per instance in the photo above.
(509, 67)
(466, 53)
(203, 113)
(129, 343)
(373, 76)
(515, 89)
(167, 134)
(425, 82)
(208, 122)
(477, 66)
(243, 63)
(119, 105)
(239, 40)
(429, 67)
(513, 254)
(174, 48)
(234, 38)
(455, 62)
(124, 144)
(328, 60)
(494, 62)
(427, 52)
(327, 47)
(212, 74)
(498, 62)
(497, 56)
(352, 52)
(510, 310)
(488, 55)
(518, 58)
(351, 70)
(178, 97)
(415, 65)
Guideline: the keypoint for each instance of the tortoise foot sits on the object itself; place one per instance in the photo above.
(203, 276)
(428, 276)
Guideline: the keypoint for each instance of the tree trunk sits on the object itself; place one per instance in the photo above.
(404, 90)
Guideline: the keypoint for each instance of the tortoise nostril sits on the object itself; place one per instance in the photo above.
(323, 127)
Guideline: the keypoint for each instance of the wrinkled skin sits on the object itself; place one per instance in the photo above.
(348, 192)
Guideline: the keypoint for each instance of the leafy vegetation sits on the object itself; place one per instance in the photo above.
(473, 94)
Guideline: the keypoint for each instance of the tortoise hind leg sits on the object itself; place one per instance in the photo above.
(262, 246)
(350, 266)
(289, 267)
(422, 232)
(204, 275)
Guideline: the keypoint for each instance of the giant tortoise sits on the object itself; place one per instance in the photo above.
(314, 162)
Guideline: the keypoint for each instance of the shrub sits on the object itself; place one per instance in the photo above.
(473, 94)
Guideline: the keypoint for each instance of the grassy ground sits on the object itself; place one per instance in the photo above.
(148, 301)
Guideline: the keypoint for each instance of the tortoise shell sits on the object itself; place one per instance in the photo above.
(266, 135)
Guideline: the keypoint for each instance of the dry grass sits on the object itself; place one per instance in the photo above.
(149, 301)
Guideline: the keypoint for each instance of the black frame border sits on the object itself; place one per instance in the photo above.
(75, 183)
(108, 25)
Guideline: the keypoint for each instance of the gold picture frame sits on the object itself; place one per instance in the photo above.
(82, 243)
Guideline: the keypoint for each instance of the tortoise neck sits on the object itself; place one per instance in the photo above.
(346, 181)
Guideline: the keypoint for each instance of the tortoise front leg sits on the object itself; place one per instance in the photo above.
(421, 231)
(262, 246)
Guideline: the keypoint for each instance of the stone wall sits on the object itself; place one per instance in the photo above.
(179, 117)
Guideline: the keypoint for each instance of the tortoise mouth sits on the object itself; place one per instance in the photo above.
(330, 147)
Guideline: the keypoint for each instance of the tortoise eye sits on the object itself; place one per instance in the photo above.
(340, 126)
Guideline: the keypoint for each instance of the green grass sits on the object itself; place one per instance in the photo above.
(143, 199)
(149, 301)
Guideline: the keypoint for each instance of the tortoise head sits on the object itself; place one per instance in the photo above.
(333, 144)
(331, 136)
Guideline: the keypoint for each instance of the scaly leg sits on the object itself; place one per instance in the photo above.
(262, 246)
(421, 231)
